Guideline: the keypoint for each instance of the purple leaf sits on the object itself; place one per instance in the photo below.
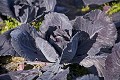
(112, 64)
(23, 75)
(116, 19)
(25, 45)
(97, 2)
(88, 77)
(71, 8)
(51, 72)
(62, 75)
(6, 7)
(47, 50)
(97, 61)
(57, 29)
(26, 11)
(97, 22)
(5, 77)
(85, 44)
(55, 19)
(70, 49)
(5, 45)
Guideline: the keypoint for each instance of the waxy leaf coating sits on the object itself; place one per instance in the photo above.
(25, 45)
(97, 22)
(6, 47)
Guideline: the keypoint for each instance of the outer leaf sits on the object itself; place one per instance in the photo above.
(112, 64)
(30, 29)
(88, 77)
(55, 19)
(98, 2)
(24, 75)
(62, 75)
(5, 77)
(5, 45)
(24, 9)
(20, 75)
(97, 22)
(118, 38)
(27, 11)
(48, 51)
(97, 61)
(71, 8)
(6, 7)
(25, 45)
(1, 20)
(50, 5)
(85, 44)
(51, 72)
(116, 19)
